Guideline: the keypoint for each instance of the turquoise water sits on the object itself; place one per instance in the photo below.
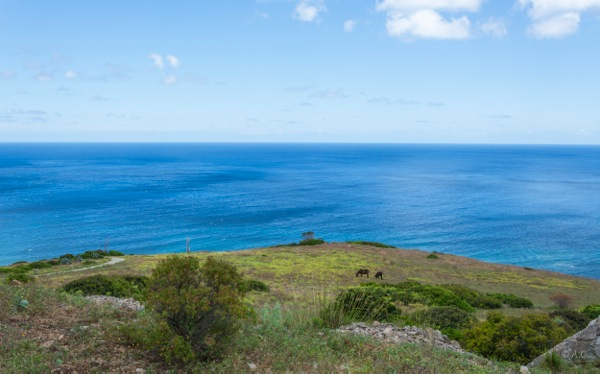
(536, 206)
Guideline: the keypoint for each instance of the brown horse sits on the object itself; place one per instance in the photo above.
(363, 271)
(379, 275)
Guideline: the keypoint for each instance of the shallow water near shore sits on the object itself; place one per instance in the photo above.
(536, 206)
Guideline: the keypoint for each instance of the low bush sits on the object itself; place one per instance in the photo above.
(442, 318)
(118, 286)
(474, 298)
(365, 304)
(256, 285)
(39, 265)
(112, 252)
(512, 300)
(93, 255)
(591, 311)
(562, 300)
(372, 244)
(20, 276)
(432, 256)
(515, 339)
(572, 320)
(201, 304)
(311, 242)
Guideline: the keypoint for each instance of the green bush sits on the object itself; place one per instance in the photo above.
(591, 311)
(311, 242)
(39, 265)
(256, 285)
(20, 276)
(432, 256)
(442, 318)
(573, 321)
(112, 252)
(202, 304)
(372, 244)
(516, 339)
(118, 286)
(474, 298)
(93, 255)
(512, 300)
(364, 304)
(53, 262)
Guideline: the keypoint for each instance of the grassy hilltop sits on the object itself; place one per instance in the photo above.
(62, 331)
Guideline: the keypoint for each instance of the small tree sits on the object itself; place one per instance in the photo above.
(202, 304)
(562, 300)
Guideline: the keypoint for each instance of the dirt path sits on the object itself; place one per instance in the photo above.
(112, 261)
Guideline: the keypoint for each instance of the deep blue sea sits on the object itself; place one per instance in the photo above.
(536, 206)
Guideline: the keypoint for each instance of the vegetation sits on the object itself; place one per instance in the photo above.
(118, 286)
(562, 300)
(372, 244)
(200, 305)
(287, 328)
(591, 311)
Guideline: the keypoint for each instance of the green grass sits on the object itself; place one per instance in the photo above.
(301, 279)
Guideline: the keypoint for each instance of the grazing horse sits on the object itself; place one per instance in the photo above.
(362, 271)
(379, 275)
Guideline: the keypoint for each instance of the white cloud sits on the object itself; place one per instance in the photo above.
(43, 77)
(7, 74)
(556, 18)
(427, 24)
(410, 6)
(262, 15)
(349, 25)
(494, 27)
(157, 59)
(169, 79)
(308, 10)
(555, 27)
(173, 61)
(423, 18)
(70, 74)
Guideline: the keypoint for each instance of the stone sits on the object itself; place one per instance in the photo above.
(581, 347)
(252, 366)
(15, 282)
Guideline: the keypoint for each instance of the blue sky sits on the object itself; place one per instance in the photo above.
(425, 71)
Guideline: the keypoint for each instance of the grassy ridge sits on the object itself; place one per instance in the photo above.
(300, 278)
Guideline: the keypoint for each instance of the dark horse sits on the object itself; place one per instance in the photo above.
(362, 271)
(379, 275)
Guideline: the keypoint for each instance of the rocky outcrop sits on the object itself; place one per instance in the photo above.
(407, 334)
(128, 303)
(581, 347)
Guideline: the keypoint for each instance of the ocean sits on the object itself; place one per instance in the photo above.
(535, 206)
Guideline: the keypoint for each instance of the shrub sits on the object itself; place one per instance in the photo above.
(256, 285)
(474, 298)
(118, 286)
(562, 300)
(112, 252)
(202, 305)
(372, 244)
(39, 265)
(67, 259)
(442, 318)
(571, 320)
(591, 311)
(20, 276)
(512, 300)
(53, 262)
(432, 256)
(554, 362)
(517, 339)
(364, 304)
(311, 242)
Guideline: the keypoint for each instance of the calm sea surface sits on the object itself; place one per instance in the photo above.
(536, 206)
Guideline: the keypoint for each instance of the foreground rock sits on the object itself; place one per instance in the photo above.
(408, 334)
(581, 347)
(117, 302)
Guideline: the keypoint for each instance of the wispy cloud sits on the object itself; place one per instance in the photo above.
(308, 10)
(157, 60)
(349, 25)
(43, 76)
(388, 101)
(330, 93)
(100, 98)
(70, 74)
(8, 74)
(173, 61)
(556, 18)
(494, 27)
(424, 19)
(169, 79)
